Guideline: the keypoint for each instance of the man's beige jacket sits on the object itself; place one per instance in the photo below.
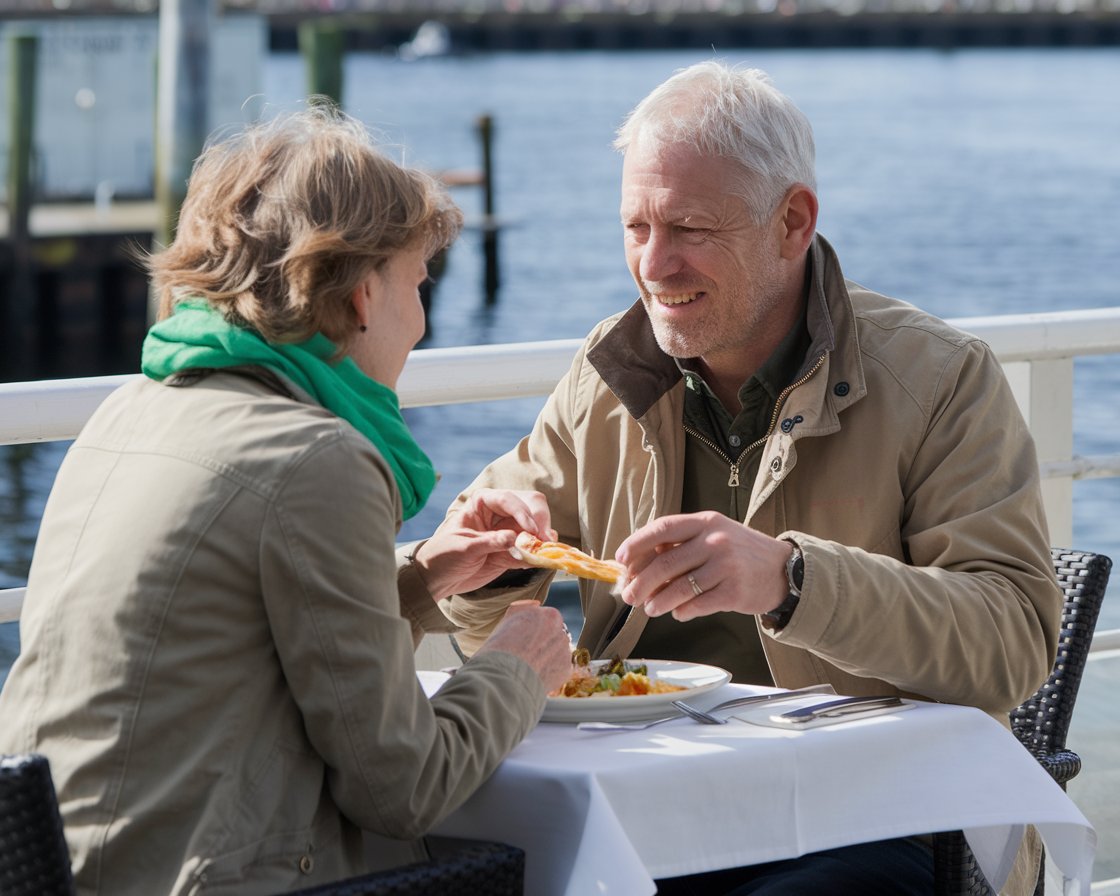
(898, 462)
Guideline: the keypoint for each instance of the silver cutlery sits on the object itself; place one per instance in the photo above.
(696, 713)
(704, 718)
(837, 709)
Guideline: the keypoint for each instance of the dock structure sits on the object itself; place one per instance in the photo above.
(557, 25)
(90, 292)
(81, 261)
(560, 25)
(74, 294)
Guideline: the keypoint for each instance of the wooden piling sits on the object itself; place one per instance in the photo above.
(23, 54)
(322, 45)
(182, 107)
(17, 308)
(489, 221)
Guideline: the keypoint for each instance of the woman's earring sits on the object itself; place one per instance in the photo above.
(362, 327)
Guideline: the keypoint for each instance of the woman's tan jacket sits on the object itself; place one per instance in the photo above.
(899, 463)
(217, 661)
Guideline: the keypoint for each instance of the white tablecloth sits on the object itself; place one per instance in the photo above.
(608, 812)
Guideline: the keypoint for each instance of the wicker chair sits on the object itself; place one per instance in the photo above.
(34, 860)
(1042, 722)
(461, 868)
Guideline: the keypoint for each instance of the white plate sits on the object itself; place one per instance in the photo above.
(695, 677)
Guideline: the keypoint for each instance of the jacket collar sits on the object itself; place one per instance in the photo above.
(833, 327)
(639, 373)
(632, 364)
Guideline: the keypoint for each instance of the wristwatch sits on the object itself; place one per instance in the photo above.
(779, 617)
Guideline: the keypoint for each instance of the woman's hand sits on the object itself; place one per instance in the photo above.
(471, 546)
(538, 635)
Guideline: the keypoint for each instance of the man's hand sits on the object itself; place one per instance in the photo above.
(471, 546)
(697, 564)
(538, 635)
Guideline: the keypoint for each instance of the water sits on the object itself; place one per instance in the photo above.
(968, 182)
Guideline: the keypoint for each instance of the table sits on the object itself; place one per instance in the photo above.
(608, 812)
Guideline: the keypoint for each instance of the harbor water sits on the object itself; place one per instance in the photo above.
(968, 182)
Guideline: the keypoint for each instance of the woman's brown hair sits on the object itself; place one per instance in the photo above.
(283, 220)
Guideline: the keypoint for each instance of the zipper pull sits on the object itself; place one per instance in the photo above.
(733, 481)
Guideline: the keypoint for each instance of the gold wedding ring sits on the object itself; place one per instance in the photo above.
(696, 589)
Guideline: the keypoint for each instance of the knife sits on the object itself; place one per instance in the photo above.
(839, 708)
(773, 697)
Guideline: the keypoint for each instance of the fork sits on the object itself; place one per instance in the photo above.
(707, 718)
(704, 718)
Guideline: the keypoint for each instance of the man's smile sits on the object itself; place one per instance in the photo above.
(678, 299)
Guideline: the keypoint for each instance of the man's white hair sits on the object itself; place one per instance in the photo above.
(736, 113)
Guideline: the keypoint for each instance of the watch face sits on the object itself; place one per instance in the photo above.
(797, 573)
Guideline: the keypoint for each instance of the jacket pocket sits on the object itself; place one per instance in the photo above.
(283, 832)
(272, 865)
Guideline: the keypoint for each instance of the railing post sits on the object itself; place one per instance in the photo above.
(1044, 391)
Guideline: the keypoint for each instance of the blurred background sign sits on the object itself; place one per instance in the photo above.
(95, 99)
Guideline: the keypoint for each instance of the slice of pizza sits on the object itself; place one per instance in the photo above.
(556, 555)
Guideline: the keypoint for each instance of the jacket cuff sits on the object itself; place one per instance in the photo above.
(416, 602)
(815, 609)
(517, 675)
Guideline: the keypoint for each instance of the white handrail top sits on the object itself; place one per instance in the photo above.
(49, 410)
(55, 410)
(1047, 335)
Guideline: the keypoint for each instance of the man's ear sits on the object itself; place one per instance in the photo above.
(798, 221)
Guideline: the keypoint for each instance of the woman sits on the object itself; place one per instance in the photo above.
(217, 638)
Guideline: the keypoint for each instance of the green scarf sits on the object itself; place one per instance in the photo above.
(197, 335)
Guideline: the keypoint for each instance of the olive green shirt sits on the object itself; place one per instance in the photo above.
(722, 454)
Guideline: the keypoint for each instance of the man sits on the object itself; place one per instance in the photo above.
(805, 480)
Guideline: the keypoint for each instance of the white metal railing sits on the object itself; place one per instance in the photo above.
(1037, 351)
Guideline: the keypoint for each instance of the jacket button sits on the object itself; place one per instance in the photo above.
(306, 864)
(776, 464)
(787, 425)
(841, 389)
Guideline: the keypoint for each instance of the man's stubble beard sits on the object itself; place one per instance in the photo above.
(713, 334)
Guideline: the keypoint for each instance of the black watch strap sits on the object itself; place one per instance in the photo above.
(779, 617)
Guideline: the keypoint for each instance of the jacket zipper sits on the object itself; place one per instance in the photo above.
(733, 479)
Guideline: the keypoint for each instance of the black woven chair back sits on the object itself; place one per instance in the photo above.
(1042, 722)
(473, 869)
(34, 860)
